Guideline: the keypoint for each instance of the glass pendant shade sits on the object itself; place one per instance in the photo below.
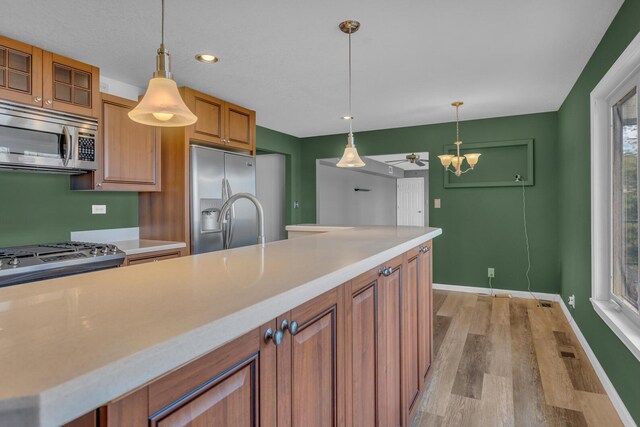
(162, 106)
(456, 161)
(445, 159)
(472, 158)
(350, 158)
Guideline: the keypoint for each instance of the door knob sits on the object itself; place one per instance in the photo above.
(276, 336)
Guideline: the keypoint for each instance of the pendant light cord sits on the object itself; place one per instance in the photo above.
(162, 26)
(350, 113)
(457, 122)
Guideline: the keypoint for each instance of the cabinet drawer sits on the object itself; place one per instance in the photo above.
(152, 257)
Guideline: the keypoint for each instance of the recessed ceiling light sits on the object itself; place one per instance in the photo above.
(206, 58)
(347, 117)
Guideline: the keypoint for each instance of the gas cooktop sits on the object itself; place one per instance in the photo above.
(22, 264)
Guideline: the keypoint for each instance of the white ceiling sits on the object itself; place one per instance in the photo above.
(424, 156)
(287, 59)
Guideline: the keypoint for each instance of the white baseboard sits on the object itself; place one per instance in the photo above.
(478, 290)
(617, 402)
(623, 413)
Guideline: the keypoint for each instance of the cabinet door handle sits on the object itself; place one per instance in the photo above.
(49, 102)
(292, 326)
(37, 99)
(385, 271)
(276, 336)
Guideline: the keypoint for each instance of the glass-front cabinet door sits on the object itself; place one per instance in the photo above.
(20, 72)
(70, 86)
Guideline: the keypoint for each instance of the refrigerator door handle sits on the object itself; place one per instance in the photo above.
(225, 221)
(232, 215)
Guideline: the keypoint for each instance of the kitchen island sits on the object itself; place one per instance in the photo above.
(74, 344)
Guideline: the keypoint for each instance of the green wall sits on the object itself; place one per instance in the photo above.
(271, 141)
(482, 226)
(36, 208)
(575, 204)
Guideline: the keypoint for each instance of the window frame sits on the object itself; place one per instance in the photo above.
(619, 80)
(632, 82)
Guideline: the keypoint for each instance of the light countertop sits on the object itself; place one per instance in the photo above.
(71, 344)
(315, 228)
(141, 246)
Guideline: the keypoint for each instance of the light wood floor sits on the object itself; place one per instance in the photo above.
(509, 362)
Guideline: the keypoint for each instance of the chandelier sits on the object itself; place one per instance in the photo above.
(457, 160)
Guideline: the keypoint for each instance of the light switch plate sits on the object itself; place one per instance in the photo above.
(98, 209)
(436, 203)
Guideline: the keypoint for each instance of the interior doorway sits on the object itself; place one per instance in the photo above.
(410, 201)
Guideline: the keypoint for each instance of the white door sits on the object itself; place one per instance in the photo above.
(411, 201)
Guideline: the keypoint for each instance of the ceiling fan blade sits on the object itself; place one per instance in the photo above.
(420, 162)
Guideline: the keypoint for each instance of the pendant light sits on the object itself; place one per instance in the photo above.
(162, 104)
(457, 160)
(350, 158)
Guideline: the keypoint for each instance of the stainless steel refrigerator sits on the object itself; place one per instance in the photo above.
(216, 175)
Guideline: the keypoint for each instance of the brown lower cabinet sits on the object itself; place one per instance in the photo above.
(358, 355)
(152, 257)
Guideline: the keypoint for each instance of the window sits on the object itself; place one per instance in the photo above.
(624, 142)
(615, 187)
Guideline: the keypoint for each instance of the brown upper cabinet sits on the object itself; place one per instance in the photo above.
(128, 152)
(20, 72)
(220, 123)
(240, 127)
(70, 86)
(35, 77)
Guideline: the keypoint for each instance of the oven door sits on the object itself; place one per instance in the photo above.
(27, 143)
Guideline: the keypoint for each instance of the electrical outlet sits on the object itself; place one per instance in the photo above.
(491, 272)
(572, 301)
(98, 209)
(436, 203)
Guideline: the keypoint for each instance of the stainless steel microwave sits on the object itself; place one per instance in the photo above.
(41, 140)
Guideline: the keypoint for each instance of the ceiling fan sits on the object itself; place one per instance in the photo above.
(411, 158)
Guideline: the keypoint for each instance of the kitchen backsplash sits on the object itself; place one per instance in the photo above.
(37, 207)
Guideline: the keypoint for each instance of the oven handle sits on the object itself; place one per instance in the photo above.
(68, 144)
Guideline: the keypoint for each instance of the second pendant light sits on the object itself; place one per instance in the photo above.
(350, 158)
